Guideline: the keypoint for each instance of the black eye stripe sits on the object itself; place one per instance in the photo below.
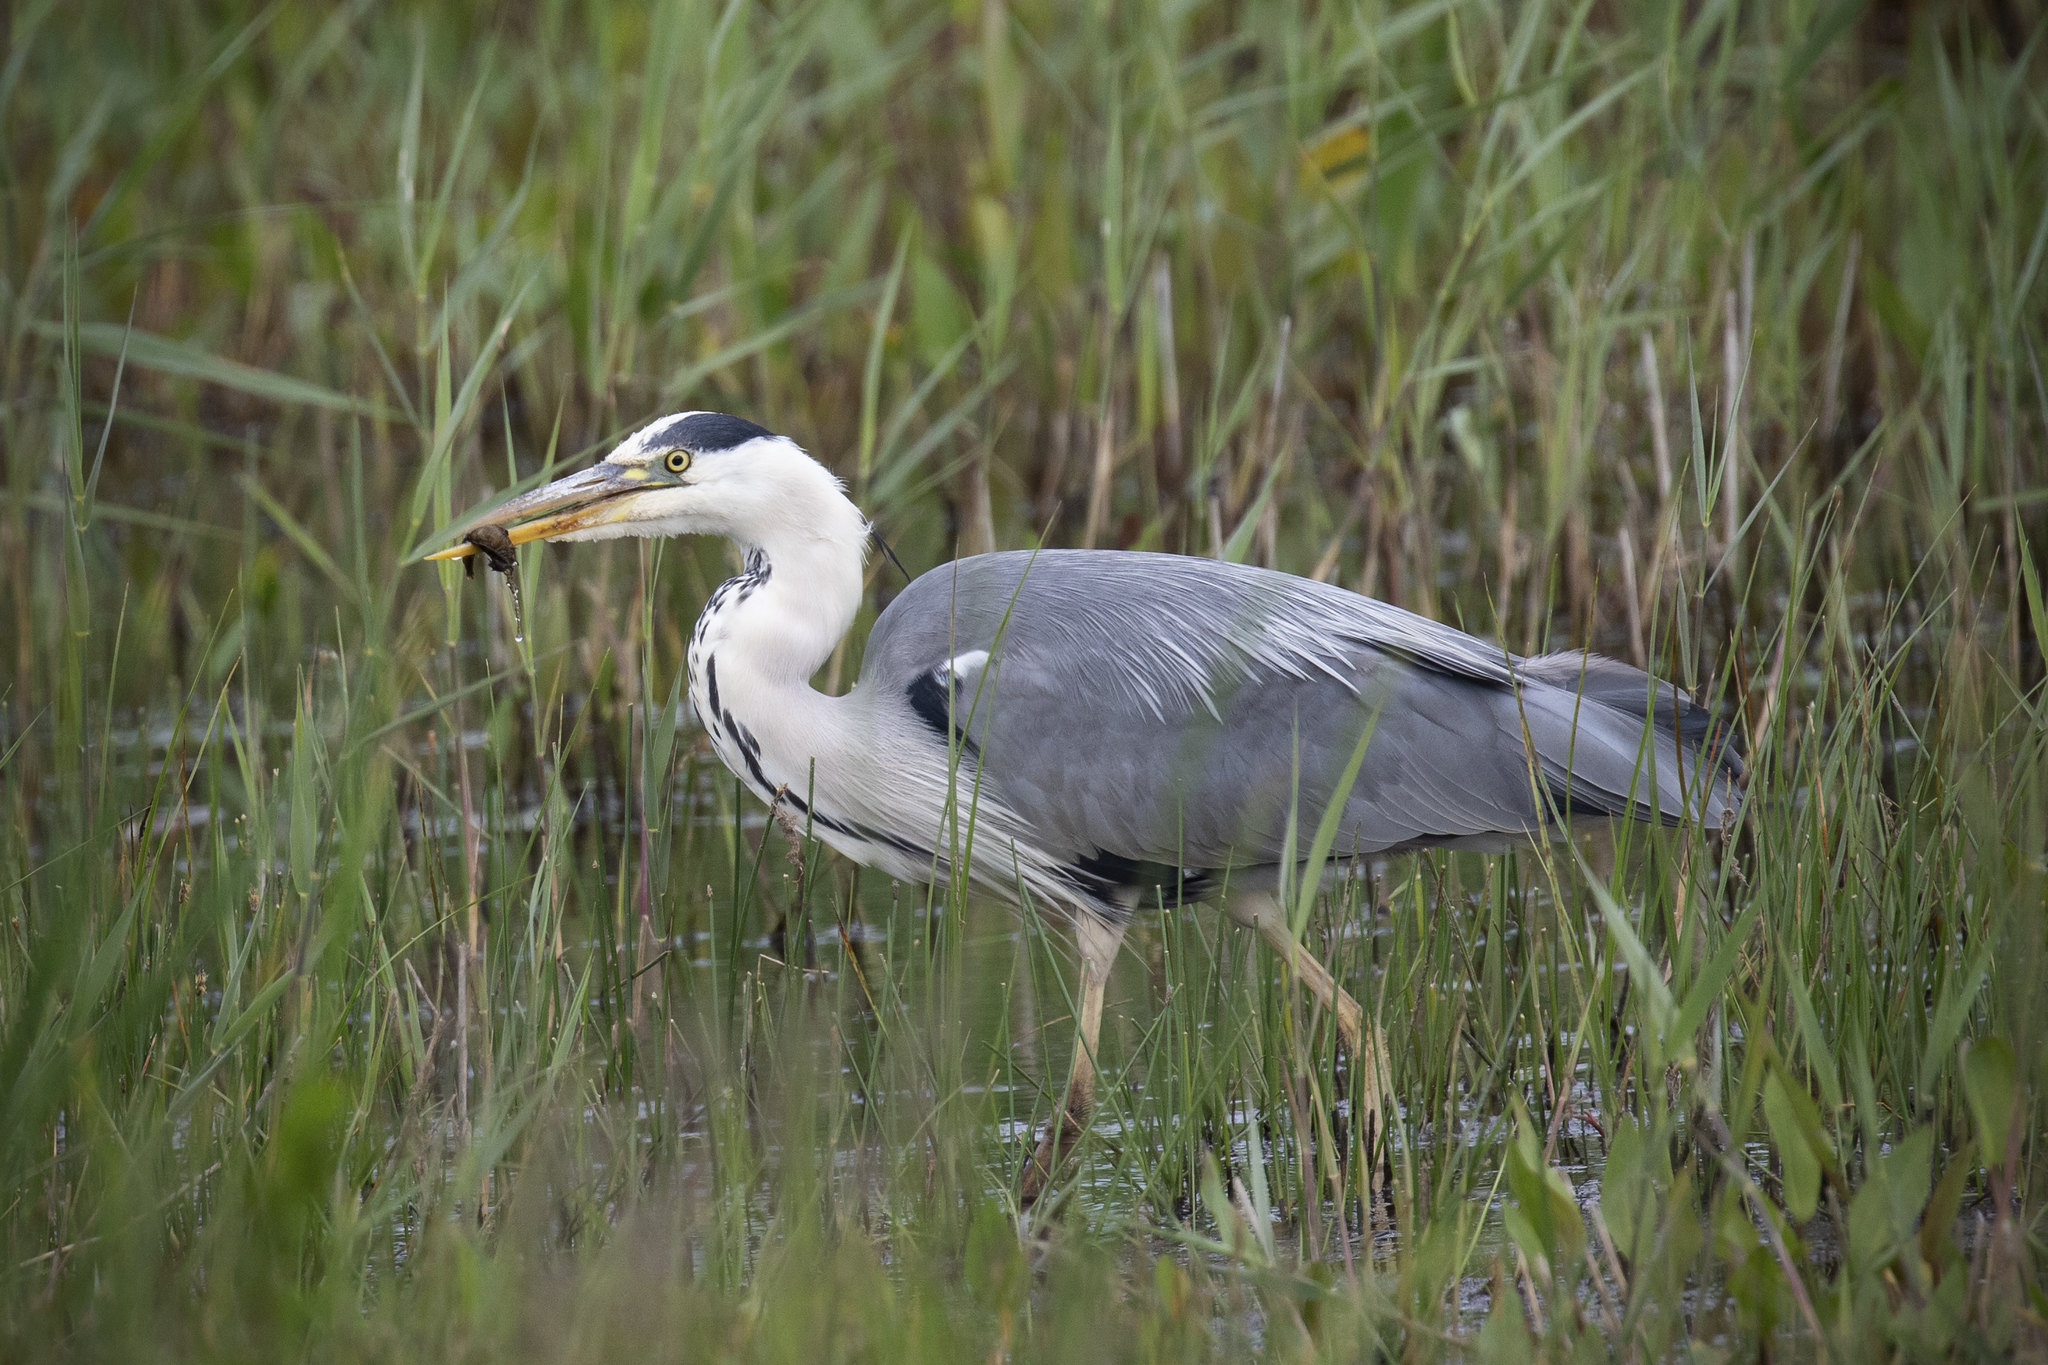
(707, 432)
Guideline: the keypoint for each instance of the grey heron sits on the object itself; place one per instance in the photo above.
(1100, 730)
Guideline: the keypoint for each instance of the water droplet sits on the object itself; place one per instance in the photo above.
(518, 613)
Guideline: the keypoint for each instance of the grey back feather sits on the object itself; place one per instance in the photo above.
(1164, 709)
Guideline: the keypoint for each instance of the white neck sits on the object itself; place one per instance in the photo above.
(764, 633)
(761, 638)
(806, 559)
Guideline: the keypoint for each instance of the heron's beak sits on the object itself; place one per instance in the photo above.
(581, 500)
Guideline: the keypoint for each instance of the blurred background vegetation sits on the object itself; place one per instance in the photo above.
(387, 971)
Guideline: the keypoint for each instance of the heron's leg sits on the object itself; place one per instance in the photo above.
(1098, 941)
(1261, 911)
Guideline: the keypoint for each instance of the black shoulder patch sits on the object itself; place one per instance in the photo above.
(928, 698)
(707, 432)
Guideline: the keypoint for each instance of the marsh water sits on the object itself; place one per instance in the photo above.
(734, 923)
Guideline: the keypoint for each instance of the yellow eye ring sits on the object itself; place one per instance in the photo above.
(677, 461)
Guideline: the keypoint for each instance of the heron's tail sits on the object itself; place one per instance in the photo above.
(1689, 740)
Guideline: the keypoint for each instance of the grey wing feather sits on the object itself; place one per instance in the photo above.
(1158, 708)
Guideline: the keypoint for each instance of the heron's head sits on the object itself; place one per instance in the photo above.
(692, 473)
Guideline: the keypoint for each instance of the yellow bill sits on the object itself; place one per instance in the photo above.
(575, 503)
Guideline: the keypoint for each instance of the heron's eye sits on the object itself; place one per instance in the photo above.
(677, 461)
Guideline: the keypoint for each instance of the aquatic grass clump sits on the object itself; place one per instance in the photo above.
(387, 970)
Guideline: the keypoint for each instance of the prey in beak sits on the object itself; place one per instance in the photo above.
(575, 503)
(495, 544)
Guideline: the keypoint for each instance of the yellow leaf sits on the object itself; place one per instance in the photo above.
(1337, 152)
